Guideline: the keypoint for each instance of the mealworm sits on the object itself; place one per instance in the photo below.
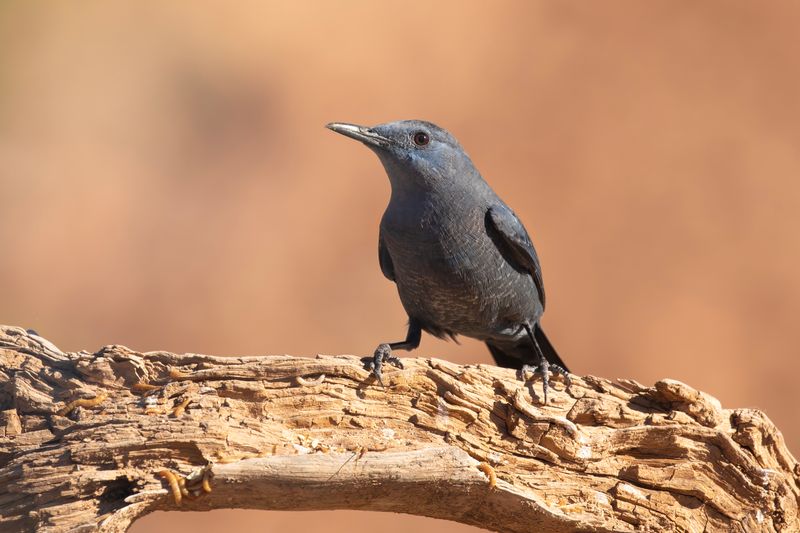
(173, 484)
(180, 408)
(174, 373)
(143, 387)
(487, 469)
(83, 402)
(207, 479)
(182, 485)
(303, 382)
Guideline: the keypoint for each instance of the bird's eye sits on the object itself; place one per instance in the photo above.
(421, 138)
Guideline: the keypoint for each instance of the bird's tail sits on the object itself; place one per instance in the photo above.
(523, 352)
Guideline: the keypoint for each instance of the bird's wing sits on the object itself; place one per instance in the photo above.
(385, 259)
(514, 243)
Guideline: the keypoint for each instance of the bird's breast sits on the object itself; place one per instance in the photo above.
(451, 276)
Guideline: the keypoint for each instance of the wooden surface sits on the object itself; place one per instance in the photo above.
(85, 439)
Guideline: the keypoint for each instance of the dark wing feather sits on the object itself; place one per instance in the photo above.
(385, 259)
(514, 243)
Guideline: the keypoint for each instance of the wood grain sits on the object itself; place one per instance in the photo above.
(466, 443)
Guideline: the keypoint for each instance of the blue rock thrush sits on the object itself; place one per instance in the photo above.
(462, 261)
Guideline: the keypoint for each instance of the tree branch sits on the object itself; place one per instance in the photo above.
(92, 441)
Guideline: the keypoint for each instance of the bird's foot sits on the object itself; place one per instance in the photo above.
(383, 354)
(546, 369)
(555, 369)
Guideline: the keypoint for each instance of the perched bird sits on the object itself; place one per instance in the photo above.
(462, 261)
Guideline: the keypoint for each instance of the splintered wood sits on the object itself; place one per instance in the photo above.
(92, 441)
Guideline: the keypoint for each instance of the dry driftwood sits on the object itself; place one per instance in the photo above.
(91, 441)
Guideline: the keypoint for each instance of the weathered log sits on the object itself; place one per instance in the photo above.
(92, 441)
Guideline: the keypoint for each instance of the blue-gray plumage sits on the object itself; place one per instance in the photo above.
(462, 261)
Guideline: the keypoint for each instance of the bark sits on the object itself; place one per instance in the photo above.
(92, 441)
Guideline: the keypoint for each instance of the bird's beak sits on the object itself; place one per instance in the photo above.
(359, 133)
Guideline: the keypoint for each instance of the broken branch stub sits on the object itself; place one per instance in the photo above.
(92, 441)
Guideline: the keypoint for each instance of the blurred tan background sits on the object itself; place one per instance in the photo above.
(167, 182)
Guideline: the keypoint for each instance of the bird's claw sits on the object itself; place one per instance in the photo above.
(546, 370)
(383, 354)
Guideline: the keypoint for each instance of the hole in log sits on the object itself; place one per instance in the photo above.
(115, 493)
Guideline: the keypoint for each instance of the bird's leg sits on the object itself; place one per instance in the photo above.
(383, 353)
(543, 366)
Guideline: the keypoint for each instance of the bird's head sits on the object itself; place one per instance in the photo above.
(417, 155)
